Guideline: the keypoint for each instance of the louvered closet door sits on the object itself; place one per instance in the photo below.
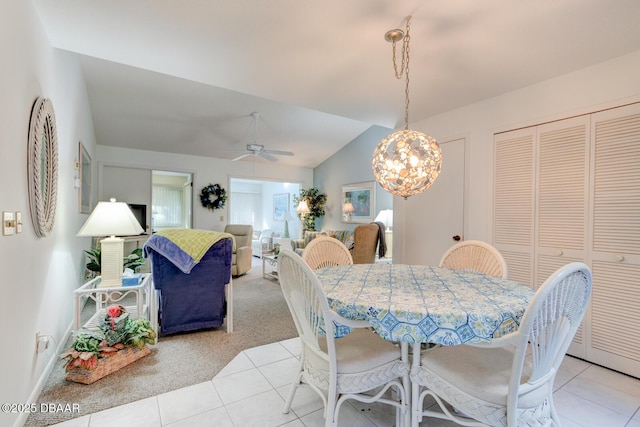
(562, 201)
(615, 312)
(513, 204)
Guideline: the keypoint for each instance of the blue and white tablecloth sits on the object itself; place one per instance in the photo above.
(422, 304)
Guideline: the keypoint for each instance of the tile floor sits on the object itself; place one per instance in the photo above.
(250, 391)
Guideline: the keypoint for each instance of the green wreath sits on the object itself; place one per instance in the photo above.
(213, 196)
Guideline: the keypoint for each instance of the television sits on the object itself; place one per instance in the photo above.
(140, 212)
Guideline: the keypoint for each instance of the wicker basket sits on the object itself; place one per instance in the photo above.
(108, 365)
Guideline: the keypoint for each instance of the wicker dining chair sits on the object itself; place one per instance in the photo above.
(325, 251)
(475, 255)
(360, 366)
(499, 384)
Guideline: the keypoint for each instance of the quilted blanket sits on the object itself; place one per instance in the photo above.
(184, 247)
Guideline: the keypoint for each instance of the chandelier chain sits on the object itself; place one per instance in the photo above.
(404, 69)
(406, 86)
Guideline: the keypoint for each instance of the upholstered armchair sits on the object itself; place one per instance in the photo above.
(365, 243)
(241, 260)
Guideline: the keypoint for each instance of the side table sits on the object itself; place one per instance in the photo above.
(144, 295)
(272, 260)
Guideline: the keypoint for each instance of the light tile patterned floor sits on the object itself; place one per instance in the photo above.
(250, 391)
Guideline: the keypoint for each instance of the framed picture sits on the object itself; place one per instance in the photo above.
(280, 206)
(362, 197)
(84, 174)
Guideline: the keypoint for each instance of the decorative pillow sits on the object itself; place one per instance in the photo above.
(343, 235)
(349, 243)
(309, 236)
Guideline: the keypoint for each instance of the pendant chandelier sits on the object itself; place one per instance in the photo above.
(406, 162)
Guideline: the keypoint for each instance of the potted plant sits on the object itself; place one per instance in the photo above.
(118, 337)
(316, 202)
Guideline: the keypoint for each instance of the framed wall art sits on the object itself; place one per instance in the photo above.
(363, 198)
(280, 206)
(84, 174)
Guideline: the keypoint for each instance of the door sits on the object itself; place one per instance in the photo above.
(513, 201)
(427, 235)
(614, 339)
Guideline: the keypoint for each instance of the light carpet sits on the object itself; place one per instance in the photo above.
(261, 316)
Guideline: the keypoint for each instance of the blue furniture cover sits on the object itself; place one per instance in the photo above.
(194, 300)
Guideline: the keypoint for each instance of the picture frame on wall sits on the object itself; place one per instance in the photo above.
(363, 198)
(280, 206)
(84, 174)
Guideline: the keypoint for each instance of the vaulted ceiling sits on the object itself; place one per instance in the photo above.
(185, 76)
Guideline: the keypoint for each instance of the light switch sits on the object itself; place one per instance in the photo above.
(8, 223)
(18, 222)
(221, 218)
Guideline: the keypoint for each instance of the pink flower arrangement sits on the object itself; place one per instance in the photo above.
(113, 312)
(117, 330)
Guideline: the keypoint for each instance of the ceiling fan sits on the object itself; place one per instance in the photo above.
(258, 149)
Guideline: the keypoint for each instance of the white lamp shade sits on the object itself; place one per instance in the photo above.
(385, 216)
(111, 219)
(303, 208)
(348, 208)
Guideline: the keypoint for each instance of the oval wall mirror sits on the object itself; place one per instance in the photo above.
(43, 166)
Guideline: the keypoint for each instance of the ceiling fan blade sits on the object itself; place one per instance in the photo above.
(267, 156)
(242, 156)
(281, 153)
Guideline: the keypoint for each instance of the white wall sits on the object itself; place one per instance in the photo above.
(206, 170)
(350, 165)
(605, 85)
(38, 275)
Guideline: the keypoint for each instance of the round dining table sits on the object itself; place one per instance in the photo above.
(416, 304)
(424, 304)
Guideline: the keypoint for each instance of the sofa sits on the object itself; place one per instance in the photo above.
(191, 295)
(345, 236)
(241, 260)
(362, 242)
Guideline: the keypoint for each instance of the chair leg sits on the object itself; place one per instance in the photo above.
(330, 413)
(297, 380)
(416, 411)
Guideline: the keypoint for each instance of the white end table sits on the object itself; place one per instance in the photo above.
(272, 260)
(146, 301)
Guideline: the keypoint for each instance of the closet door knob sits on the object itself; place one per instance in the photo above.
(457, 238)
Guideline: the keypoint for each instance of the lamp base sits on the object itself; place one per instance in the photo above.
(112, 254)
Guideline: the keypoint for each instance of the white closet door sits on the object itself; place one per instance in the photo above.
(513, 203)
(615, 246)
(562, 201)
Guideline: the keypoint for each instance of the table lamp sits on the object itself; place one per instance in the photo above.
(110, 219)
(303, 210)
(347, 210)
(385, 216)
(287, 217)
